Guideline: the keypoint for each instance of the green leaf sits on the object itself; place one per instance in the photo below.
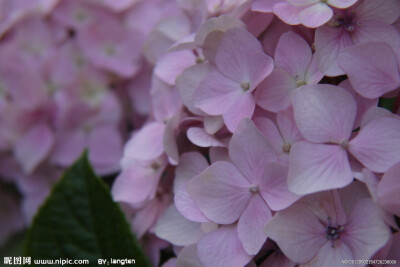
(387, 103)
(80, 221)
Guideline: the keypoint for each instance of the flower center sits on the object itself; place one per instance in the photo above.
(333, 233)
(245, 86)
(253, 188)
(347, 22)
(286, 148)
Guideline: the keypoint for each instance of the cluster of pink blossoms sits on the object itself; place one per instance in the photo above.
(257, 137)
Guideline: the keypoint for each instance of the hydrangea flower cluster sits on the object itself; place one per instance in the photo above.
(252, 128)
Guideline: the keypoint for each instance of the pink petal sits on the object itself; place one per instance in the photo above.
(187, 207)
(328, 44)
(274, 189)
(287, 126)
(331, 255)
(190, 165)
(240, 57)
(201, 138)
(242, 108)
(105, 149)
(212, 124)
(176, 229)
(251, 224)
(188, 257)
(249, 150)
(314, 75)
(377, 145)
(293, 54)
(298, 232)
(363, 104)
(317, 167)
(147, 143)
(377, 70)
(171, 64)
(315, 15)
(220, 192)
(222, 248)
(33, 147)
(324, 113)
(136, 183)
(264, 6)
(68, 147)
(342, 3)
(288, 13)
(302, 2)
(388, 190)
(379, 10)
(274, 93)
(268, 128)
(217, 93)
(187, 82)
(366, 232)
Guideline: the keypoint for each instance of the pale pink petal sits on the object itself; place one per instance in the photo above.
(105, 149)
(220, 192)
(317, 167)
(221, 23)
(288, 13)
(147, 143)
(298, 232)
(274, 93)
(201, 138)
(171, 64)
(366, 232)
(212, 124)
(176, 229)
(388, 190)
(251, 225)
(331, 255)
(274, 189)
(314, 75)
(375, 31)
(68, 147)
(374, 113)
(316, 15)
(136, 183)
(190, 165)
(377, 145)
(277, 259)
(293, 54)
(240, 57)
(188, 257)
(379, 10)
(328, 44)
(264, 6)
(268, 128)
(342, 3)
(145, 218)
(33, 147)
(324, 113)
(377, 70)
(222, 248)
(363, 104)
(219, 154)
(185, 205)
(287, 126)
(217, 93)
(187, 82)
(242, 108)
(302, 2)
(169, 139)
(249, 150)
